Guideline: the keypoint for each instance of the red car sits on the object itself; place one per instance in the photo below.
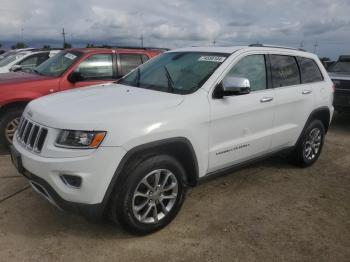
(69, 69)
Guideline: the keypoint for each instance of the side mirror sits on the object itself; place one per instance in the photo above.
(231, 86)
(75, 77)
(16, 68)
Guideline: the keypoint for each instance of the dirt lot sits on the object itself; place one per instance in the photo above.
(268, 212)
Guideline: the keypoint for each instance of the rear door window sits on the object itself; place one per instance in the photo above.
(284, 71)
(310, 72)
(129, 62)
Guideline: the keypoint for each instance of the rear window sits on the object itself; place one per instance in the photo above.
(285, 71)
(310, 72)
(340, 67)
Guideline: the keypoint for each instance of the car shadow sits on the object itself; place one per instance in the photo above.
(340, 122)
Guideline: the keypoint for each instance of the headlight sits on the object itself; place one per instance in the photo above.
(80, 139)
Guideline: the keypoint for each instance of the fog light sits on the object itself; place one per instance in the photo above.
(72, 181)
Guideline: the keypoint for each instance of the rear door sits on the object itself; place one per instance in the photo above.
(293, 100)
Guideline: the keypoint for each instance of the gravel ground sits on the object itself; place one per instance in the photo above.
(271, 211)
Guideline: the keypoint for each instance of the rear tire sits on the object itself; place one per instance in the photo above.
(309, 146)
(150, 196)
(8, 125)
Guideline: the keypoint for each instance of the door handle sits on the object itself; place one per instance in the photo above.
(306, 92)
(266, 99)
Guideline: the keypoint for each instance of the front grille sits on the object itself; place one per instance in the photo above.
(342, 84)
(31, 135)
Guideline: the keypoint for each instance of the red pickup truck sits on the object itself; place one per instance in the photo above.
(69, 69)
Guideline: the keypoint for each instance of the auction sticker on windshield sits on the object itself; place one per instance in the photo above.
(70, 56)
(217, 59)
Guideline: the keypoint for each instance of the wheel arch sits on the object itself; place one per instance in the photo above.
(17, 104)
(179, 147)
(323, 114)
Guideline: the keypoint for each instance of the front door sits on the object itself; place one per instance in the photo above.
(96, 69)
(241, 125)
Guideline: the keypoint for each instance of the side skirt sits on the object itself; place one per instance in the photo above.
(230, 169)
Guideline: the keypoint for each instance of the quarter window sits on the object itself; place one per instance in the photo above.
(253, 68)
(310, 72)
(96, 67)
(128, 62)
(285, 71)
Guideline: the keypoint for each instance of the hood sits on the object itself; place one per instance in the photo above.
(339, 76)
(20, 77)
(92, 107)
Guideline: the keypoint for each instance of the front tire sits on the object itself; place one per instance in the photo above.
(8, 125)
(151, 195)
(310, 145)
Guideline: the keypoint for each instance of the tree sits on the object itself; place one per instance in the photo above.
(67, 45)
(19, 45)
(90, 45)
(46, 47)
(0, 45)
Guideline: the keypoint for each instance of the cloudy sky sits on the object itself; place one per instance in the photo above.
(176, 23)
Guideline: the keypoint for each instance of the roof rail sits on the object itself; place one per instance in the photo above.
(276, 46)
(131, 47)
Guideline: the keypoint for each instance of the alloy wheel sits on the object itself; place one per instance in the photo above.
(155, 196)
(11, 129)
(313, 144)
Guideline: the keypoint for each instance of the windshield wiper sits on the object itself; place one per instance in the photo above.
(170, 80)
(37, 72)
(138, 77)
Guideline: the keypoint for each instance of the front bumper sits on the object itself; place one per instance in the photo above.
(96, 171)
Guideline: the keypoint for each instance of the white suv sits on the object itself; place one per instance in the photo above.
(130, 149)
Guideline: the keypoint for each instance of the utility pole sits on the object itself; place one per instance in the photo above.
(141, 38)
(301, 46)
(64, 37)
(22, 34)
(315, 47)
(214, 42)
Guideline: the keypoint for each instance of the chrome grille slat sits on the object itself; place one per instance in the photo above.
(25, 122)
(37, 139)
(25, 131)
(31, 135)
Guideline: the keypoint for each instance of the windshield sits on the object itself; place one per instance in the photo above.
(58, 64)
(340, 67)
(6, 54)
(11, 59)
(175, 72)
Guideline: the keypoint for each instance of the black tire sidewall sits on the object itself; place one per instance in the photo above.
(313, 124)
(123, 203)
(6, 118)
